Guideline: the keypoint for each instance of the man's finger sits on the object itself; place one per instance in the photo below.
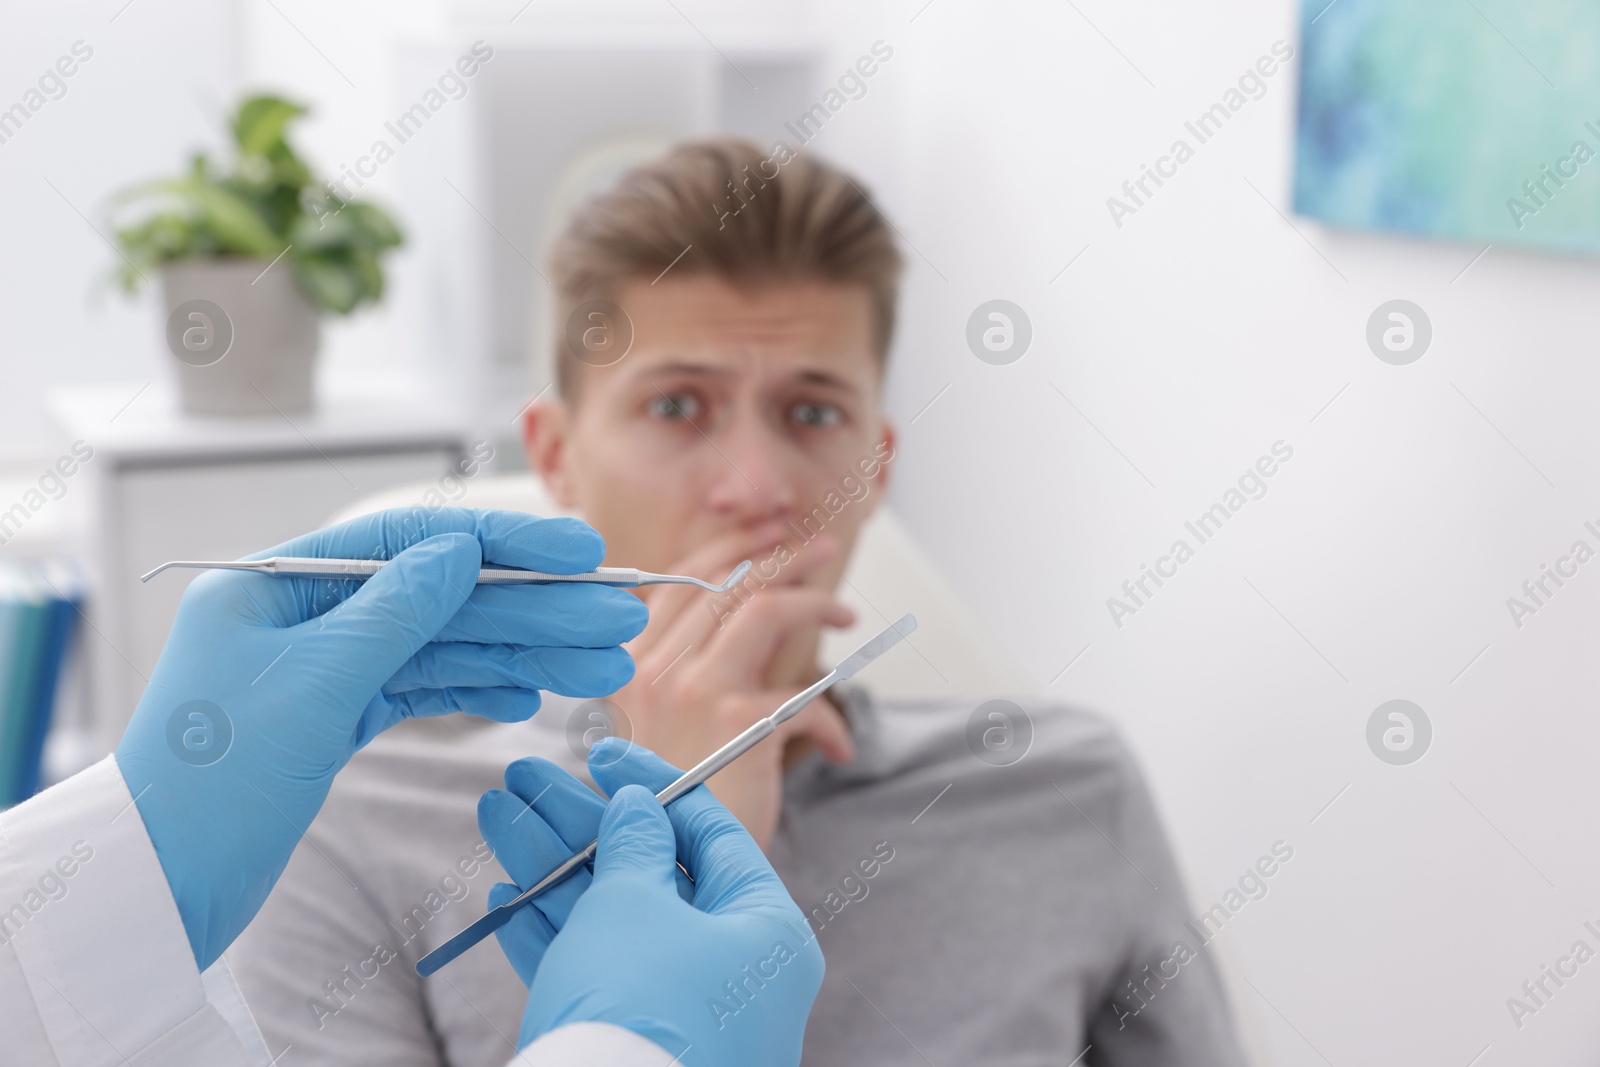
(671, 605)
(744, 645)
(712, 611)
(823, 726)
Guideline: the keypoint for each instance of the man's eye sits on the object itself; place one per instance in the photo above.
(674, 406)
(816, 415)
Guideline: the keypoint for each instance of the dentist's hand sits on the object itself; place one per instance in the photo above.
(721, 973)
(267, 686)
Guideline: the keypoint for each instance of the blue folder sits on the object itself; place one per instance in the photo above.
(40, 604)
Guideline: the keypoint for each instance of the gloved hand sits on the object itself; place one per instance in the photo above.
(267, 686)
(722, 973)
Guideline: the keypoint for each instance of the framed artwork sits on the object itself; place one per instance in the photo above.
(1465, 120)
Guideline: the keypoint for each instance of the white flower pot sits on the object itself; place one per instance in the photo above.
(243, 337)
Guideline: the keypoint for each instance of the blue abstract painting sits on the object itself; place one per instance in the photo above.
(1469, 120)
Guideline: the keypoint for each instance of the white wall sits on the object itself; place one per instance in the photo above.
(160, 76)
(1194, 337)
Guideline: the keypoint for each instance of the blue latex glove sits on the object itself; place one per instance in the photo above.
(720, 974)
(267, 686)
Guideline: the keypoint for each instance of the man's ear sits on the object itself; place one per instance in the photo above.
(884, 453)
(544, 440)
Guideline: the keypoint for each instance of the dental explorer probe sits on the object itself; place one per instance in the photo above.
(847, 668)
(362, 569)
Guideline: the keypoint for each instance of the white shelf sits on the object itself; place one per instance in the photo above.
(130, 423)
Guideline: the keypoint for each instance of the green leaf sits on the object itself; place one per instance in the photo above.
(168, 235)
(365, 266)
(259, 123)
(238, 226)
(265, 204)
(332, 286)
(288, 170)
(329, 229)
(375, 224)
(347, 227)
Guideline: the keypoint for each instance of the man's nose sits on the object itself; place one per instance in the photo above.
(756, 481)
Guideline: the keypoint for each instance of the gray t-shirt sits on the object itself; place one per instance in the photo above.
(1013, 915)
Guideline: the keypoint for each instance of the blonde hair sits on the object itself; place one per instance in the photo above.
(744, 216)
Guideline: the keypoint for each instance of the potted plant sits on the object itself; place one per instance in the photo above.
(248, 259)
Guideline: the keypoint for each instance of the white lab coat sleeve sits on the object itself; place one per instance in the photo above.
(96, 970)
(95, 967)
(593, 1045)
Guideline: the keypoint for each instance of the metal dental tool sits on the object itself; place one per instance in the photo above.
(713, 763)
(362, 569)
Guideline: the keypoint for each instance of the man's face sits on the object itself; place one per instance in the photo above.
(735, 411)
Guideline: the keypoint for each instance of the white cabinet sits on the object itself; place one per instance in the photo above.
(163, 486)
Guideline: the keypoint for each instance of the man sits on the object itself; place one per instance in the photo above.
(969, 913)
